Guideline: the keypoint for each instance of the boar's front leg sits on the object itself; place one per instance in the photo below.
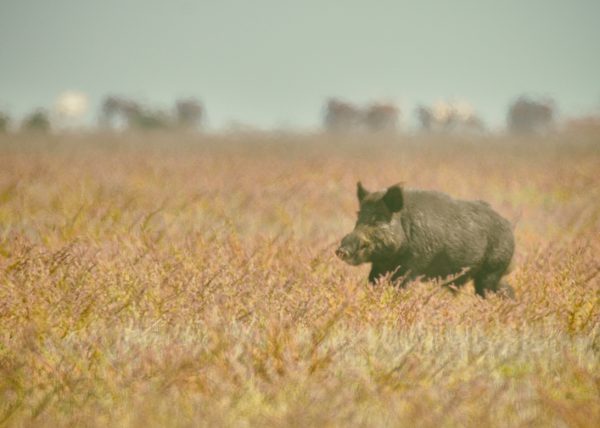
(398, 275)
(377, 271)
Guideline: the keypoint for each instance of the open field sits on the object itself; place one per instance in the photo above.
(163, 281)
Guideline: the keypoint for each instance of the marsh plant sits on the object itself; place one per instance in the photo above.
(147, 283)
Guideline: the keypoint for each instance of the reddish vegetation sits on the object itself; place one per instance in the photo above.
(147, 282)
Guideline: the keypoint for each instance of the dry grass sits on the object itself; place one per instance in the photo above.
(193, 283)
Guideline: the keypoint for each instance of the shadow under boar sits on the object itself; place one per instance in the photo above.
(410, 234)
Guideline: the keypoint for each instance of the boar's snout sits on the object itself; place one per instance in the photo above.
(343, 253)
(347, 247)
(351, 250)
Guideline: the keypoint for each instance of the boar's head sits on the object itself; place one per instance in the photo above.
(377, 234)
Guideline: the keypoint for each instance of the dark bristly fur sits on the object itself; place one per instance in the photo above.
(409, 234)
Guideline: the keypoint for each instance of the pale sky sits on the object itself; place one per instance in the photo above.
(273, 63)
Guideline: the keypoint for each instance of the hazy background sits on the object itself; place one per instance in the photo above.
(272, 63)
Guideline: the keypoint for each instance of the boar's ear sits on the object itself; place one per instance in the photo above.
(361, 192)
(394, 198)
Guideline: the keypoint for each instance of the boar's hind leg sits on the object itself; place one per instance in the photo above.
(504, 289)
(492, 281)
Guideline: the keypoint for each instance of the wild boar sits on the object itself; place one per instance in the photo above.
(410, 234)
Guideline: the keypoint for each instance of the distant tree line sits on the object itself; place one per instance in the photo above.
(342, 116)
(445, 117)
(4, 122)
(528, 116)
(120, 112)
(525, 115)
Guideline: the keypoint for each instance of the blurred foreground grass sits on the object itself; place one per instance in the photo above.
(160, 281)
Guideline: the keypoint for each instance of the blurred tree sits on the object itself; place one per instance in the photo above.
(117, 112)
(145, 119)
(528, 116)
(425, 117)
(37, 121)
(341, 116)
(381, 117)
(188, 113)
(449, 117)
(110, 111)
(4, 122)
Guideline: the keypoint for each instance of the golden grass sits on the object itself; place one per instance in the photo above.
(176, 281)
